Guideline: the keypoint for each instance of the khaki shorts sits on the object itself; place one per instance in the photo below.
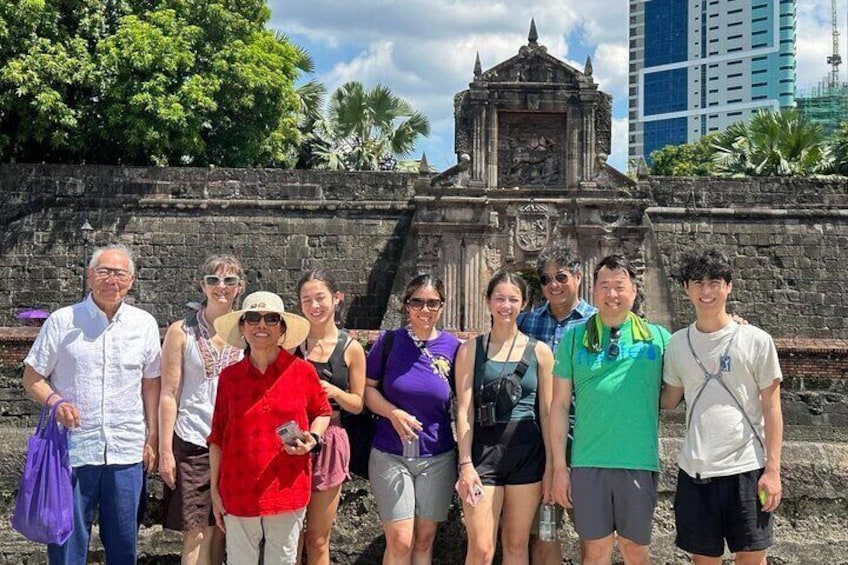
(412, 488)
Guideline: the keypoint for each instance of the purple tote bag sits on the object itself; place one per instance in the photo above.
(44, 507)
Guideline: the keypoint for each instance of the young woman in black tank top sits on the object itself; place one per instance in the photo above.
(340, 363)
(503, 469)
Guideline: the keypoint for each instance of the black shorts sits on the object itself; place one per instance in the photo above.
(509, 454)
(722, 508)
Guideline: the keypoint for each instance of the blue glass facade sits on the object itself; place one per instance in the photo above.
(665, 91)
(660, 133)
(667, 20)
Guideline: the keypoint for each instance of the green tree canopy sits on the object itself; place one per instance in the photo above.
(140, 82)
(687, 159)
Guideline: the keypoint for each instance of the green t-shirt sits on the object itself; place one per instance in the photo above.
(616, 421)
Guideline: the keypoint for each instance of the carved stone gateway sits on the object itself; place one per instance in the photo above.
(532, 135)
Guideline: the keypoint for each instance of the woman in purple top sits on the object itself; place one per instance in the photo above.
(412, 467)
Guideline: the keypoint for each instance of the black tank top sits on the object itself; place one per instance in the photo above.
(334, 369)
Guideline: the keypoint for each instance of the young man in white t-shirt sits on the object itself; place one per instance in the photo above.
(729, 478)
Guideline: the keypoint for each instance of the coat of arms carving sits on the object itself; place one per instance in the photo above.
(532, 227)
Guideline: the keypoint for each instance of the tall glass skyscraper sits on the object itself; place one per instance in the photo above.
(697, 66)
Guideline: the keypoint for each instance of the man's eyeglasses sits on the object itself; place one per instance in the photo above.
(215, 280)
(561, 278)
(614, 349)
(120, 275)
(253, 318)
(420, 303)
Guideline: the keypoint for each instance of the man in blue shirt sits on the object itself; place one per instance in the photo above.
(560, 275)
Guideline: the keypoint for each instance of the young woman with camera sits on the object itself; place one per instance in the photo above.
(504, 385)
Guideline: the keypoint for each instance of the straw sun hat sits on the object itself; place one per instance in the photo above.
(297, 327)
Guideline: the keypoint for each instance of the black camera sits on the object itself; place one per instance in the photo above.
(486, 414)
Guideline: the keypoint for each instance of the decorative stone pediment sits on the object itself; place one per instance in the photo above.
(535, 65)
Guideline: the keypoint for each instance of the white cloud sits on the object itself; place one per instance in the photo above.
(424, 50)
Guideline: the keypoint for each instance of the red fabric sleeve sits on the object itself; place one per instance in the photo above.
(221, 413)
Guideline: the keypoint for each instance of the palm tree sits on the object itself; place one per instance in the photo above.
(367, 130)
(779, 143)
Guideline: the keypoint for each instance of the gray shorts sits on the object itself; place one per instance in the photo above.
(614, 500)
(409, 488)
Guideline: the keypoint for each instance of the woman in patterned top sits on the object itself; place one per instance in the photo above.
(192, 357)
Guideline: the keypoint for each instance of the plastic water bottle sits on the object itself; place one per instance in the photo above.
(547, 523)
(412, 447)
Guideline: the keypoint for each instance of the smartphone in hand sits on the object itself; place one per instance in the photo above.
(290, 432)
(475, 495)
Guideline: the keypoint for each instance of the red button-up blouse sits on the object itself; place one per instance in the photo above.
(256, 476)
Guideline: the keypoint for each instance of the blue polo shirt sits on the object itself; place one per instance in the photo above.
(543, 325)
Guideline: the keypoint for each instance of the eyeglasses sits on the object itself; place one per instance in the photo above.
(420, 303)
(120, 275)
(215, 280)
(614, 349)
(253, 318)
(560, 277)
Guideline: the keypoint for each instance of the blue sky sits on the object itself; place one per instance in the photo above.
(425, 50)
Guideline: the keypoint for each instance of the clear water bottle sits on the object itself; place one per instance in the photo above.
(547, 522)
(412, 447)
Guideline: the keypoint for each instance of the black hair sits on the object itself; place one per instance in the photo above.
(422, 281)
(615, 263)
(317, 275)
(507, 277)
(560, 257)
(708, 264)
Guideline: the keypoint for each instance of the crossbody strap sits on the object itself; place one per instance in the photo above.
(723, 363)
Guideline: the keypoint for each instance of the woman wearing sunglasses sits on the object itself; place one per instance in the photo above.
(193, 356)
(412, 466)
(340, 363)
(270, 414)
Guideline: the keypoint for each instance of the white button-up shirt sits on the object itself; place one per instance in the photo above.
(98, 365)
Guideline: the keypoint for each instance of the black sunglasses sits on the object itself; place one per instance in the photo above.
(561, 278)
(253, 318)
(215, 280)
(420, 303)
(614, 349)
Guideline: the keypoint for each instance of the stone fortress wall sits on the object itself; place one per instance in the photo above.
(786, 238)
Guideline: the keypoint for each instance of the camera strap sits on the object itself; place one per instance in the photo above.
(482, 356)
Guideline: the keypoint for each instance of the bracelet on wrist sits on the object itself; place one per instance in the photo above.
(464, 463)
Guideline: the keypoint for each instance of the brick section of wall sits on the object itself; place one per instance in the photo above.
(787, 238)
(279, 223)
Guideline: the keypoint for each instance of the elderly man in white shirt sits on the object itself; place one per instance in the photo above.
(102, 357)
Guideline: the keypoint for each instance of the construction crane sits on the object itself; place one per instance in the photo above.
(834, 59)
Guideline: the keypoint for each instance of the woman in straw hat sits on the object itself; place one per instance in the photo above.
(193, 356)
(270, 414)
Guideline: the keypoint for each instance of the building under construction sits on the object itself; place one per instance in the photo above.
(827, 103)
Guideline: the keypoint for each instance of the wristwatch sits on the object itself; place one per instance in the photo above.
(319, 443)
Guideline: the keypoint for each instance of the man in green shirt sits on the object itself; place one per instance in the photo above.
(613, 363)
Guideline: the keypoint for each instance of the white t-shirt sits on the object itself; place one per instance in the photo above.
(98, 365)
(719, 442)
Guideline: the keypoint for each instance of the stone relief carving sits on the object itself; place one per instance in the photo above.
(530, 151)
(429, 247)
(493, 258)
(532, 231)
(603, 124)
(462, 123)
